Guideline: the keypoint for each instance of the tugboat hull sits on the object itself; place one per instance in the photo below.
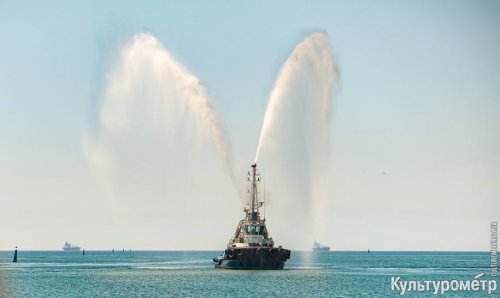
(254, 258)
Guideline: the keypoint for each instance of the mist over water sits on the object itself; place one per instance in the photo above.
(149, 78)
(158, 143)
(293, 148)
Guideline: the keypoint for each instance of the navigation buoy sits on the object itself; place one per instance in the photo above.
(15, 256)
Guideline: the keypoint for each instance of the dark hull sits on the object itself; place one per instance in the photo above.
(254, 258)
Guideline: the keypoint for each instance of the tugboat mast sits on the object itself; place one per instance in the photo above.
(254, 215)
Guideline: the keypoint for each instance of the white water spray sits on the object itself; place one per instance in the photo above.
(294, 140)
(145, 58)
(157, 147)
(153, 118)
(310, 71)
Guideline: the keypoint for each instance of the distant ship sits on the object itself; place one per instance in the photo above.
(251, 247)
(319, 247)
(68, 247)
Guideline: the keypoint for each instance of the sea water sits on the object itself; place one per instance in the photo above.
(192, 274)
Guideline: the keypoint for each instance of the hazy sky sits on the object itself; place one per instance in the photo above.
(415, 125)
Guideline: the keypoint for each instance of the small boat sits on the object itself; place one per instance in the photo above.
(68, 247)
(251, 247)
(318, 247)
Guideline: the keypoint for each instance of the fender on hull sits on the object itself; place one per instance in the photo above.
(254, 258)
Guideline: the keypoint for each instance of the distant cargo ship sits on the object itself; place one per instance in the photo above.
(319, 247)
(68, 247)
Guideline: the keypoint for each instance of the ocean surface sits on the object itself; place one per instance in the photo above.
(192, 274)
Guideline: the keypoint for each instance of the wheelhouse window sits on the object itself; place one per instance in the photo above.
(254, 230)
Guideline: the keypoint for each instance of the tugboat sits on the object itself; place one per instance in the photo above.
(318, 247)
(251, 247)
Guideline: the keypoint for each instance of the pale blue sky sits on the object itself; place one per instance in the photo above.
(418, 98)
